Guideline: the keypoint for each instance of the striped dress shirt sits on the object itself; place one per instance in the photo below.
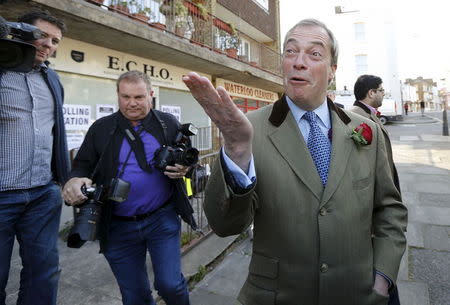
(27, 113)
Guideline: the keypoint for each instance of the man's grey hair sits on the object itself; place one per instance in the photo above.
(134, 76)
(316, 23)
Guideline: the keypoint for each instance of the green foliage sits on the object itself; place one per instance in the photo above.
(180, 9)
(203, 10)
(200, 274)
(120, 3)
(187, 237)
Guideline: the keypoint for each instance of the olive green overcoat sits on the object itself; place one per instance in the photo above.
(313, 245)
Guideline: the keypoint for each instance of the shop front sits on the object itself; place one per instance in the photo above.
(88, 74)
(247, 98)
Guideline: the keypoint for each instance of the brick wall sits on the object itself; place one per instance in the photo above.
(252, 13)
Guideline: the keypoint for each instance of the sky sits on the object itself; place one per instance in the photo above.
(423, 29)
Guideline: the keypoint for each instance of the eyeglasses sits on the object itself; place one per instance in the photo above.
(381, 90)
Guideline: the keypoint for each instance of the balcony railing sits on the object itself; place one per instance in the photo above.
(191, 21)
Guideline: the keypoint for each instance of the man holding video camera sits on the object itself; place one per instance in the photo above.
(124, 149)
(34, 160)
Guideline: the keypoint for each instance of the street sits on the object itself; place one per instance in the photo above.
(422, 156)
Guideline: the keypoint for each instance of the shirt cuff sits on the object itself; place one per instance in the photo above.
(242, 179)
(386, 278)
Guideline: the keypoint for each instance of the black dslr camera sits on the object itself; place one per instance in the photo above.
(87, 215)
(180, 153)
(17, 55)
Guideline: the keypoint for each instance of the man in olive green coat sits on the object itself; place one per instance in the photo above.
(319, 239)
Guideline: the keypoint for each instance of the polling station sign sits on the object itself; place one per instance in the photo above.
(77, 117)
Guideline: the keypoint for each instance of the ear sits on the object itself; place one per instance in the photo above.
(332, 73)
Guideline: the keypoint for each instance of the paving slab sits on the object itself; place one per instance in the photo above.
(415, 235)
(222, 285)
(433, 199)
(435, 237)
(413, 293)
(429, 215)
(432, 267)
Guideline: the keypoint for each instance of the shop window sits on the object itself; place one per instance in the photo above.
(246, 105)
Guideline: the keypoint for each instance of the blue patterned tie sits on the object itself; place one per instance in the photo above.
(318, 146)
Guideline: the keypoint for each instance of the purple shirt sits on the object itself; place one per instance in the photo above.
(148, 190)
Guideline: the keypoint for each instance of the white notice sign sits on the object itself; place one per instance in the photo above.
(174, 110)
(77, 117)
(104, 110)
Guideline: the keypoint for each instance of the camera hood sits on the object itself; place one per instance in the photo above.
(16, 56)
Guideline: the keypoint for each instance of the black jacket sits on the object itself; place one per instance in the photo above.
(104, 136)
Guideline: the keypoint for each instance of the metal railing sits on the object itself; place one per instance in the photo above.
(189, 237)
(193, 22)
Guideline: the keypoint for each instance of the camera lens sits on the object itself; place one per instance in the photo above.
(189, 157)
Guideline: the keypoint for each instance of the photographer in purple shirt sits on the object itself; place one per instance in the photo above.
(123, 146)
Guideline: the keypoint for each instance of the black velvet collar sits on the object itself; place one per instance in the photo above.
(281, 109)
(363, 106)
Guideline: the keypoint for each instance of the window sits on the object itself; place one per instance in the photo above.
(244, 50)
(263, 3)
(360, 32)
(361, 64)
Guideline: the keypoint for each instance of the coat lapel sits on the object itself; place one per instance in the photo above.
(342, 146)
(296, 154)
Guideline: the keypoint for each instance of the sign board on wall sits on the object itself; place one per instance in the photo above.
(174, 110)
(74, 140)
(240, 90)
(104, 110)
(88, 59)
(77, 117)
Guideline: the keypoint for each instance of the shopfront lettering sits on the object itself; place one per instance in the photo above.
(114, 63)
(233, 88)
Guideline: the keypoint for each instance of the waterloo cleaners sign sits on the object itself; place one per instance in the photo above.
(239, 90)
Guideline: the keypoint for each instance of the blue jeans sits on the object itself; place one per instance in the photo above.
(32, 216)
(126, 251)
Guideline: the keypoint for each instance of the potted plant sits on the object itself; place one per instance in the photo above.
(142, 13)
(120, 6)
(181, 18)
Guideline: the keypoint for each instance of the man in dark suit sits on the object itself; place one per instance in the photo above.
(369, 93)
(328, 220)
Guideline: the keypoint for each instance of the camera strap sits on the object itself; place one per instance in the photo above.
(135, 142)
(128, 156)
(163, 126)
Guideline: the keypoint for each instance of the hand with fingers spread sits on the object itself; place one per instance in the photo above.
(176, 172)
(72, 190)
(236, 129)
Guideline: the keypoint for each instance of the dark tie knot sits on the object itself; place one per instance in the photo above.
(310, 116)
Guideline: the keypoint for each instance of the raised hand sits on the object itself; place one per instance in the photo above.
(236, 129)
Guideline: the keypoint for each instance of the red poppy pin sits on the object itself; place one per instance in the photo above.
(362, 134)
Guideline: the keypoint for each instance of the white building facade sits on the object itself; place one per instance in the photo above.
(367, 45)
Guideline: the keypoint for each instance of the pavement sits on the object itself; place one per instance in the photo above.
(423, 162)
(415, 118)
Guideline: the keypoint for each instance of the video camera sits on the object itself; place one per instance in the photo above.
(17, 55)
(180, 153)
(87, 215)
